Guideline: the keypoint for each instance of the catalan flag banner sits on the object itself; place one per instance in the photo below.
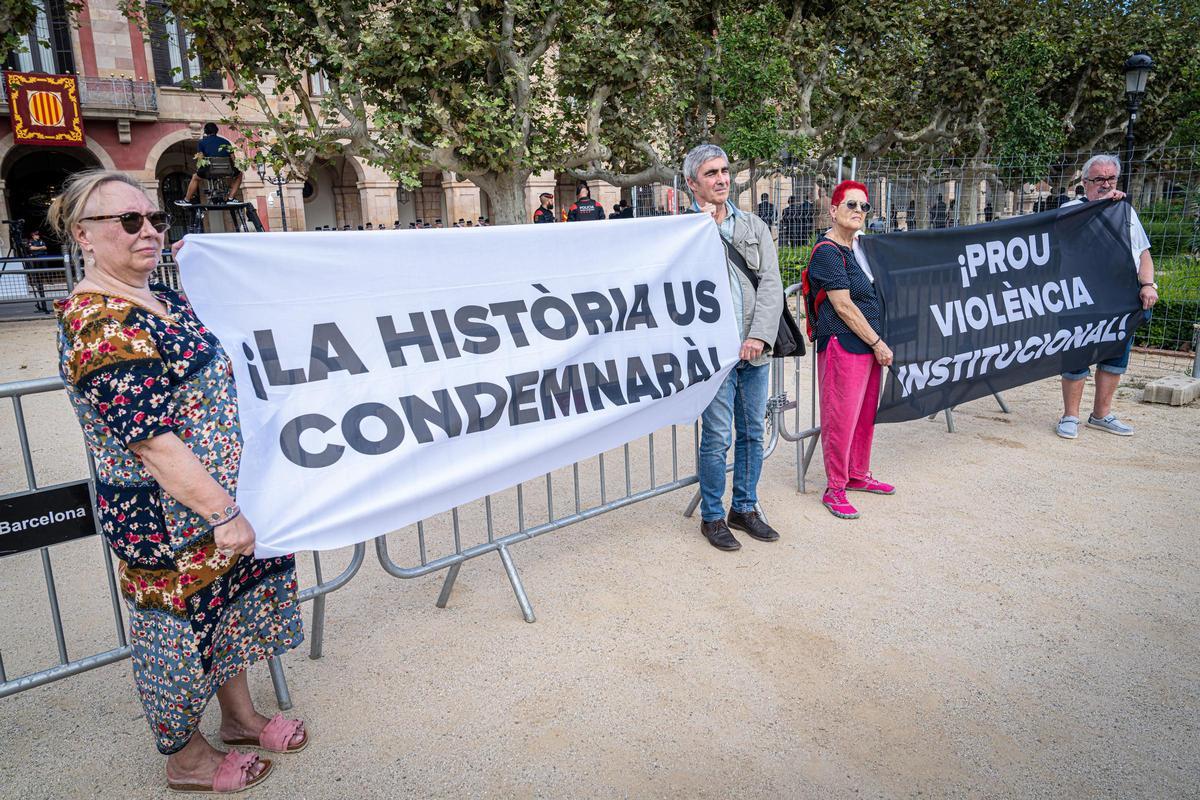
(44, 109)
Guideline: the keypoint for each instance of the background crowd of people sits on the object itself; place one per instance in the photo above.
(419, 224)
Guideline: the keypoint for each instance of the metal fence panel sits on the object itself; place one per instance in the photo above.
(923, 193)
(36, 281)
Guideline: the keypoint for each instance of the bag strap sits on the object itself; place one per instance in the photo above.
(739, 261)
(827, 241)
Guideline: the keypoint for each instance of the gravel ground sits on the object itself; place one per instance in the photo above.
(1021, 620)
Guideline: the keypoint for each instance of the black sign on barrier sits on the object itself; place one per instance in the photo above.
(49, 516)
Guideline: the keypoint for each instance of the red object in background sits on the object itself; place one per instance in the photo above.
(44, 109)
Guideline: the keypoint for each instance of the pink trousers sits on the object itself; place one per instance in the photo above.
(849, 398)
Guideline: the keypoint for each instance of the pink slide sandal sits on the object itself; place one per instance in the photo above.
(232, 776)
(276, 736)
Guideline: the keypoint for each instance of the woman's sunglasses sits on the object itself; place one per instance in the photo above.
(854, 205)
(132, 221)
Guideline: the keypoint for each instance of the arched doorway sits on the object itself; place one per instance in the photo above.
(320, 203)
(33, 176)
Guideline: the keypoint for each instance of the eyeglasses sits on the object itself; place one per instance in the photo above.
(132, 221)
(1101, 179)
(854, 205)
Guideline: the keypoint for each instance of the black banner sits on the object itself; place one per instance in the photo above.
(976, 310)
(42, 518)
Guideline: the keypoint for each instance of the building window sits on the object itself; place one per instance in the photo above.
(170, 43)
(47, 48)
(318, 84)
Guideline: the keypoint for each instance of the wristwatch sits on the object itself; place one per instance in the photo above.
(1151, 284)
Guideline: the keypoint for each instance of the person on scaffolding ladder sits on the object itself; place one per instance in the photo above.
(211, 144)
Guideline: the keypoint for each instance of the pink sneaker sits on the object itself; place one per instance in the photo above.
(869, 484)
(835, 500)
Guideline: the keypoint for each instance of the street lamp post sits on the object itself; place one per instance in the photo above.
(1137, 72)
(277, 180)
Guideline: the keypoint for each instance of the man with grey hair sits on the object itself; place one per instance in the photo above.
(1100, 174)
(757, 305)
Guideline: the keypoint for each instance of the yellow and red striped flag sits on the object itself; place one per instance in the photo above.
(44, 109)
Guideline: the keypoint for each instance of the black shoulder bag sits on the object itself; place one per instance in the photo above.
(788, 341)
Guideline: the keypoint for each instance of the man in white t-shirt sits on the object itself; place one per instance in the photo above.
(1100, 175)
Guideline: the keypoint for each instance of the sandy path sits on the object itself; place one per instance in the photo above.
(1022, 620)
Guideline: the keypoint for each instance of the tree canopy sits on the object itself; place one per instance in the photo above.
(497, 90)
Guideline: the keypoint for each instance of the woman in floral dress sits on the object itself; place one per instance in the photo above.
(155, 396)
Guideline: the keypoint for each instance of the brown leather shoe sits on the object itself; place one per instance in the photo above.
(719, 535)
(753, 524)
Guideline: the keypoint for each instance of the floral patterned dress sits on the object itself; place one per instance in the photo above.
(198, 617)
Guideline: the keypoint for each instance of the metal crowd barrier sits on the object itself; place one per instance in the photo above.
(67, 665)
(453, 562)
(36, 279)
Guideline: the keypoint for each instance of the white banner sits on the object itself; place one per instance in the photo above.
(387, 376)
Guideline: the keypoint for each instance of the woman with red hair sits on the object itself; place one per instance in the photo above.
(850, 352)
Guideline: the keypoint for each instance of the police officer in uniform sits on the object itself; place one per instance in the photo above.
(545, 212)
(584, 207)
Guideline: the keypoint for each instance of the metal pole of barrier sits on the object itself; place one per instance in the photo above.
(603, 486)
(319, 591)
(68, 271)
(55, 612)
(575, 475)
(457, 534)
(517, 587)
(487, 505)
(448, 585)
(520, 507)
(318, 632)
(1196, 350)
(64, 671)
(652, 477)
(674, 453)
(282, 696)
(47, 567)
(806, 440)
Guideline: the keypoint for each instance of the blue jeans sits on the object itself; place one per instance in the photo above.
(741, 398)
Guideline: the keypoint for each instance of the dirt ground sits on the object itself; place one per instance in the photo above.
(1021, 620)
